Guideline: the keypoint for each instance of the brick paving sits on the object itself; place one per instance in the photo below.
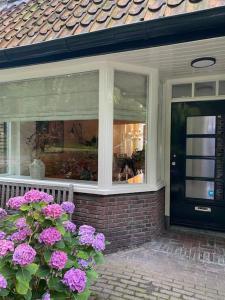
(180, 264)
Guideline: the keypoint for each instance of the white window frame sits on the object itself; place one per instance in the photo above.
(105, 147)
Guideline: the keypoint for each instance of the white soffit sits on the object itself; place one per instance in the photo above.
(174, 61)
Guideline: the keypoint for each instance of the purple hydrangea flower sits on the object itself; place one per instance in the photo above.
(45, 197)
(3, 282)
(69, 226)
(86, 230)
(21, 234)
(5, 247)
(86, 239)
(99, 242)
(24, 255)
(50, 236)
(58, 260)
(68, 207)
(84, 263)
(75, 279)
(54, 211)
(21, 223)
(3, 213)
(2, 235)
(46, 296)
(16, 202)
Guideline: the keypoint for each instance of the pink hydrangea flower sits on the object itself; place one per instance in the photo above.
(32, 196)
(69, 226)
(16, 202)
(2, 235)
(86, 239)
(54, 211)
(50, 236)
(3, 213)
(46, 296)
(5, 247)
(58, 260)
(21, 234)
(75, 279)
(24, 255)
(45, 197)
(21, 223)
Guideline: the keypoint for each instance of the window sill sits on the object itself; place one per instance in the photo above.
(85, 187)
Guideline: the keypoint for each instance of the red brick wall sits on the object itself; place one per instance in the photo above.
(126, 220)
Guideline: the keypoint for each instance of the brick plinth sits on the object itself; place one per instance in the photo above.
(126, 220)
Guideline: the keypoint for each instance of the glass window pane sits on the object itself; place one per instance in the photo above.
(205, 89)
(222, 87)
(3, 147)
(201, 125)
(200, 189)
(129, 127)
(200, 146)
(200, 168)
(182, 90)
(55, 132)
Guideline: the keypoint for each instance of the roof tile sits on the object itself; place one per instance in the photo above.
(34, 21)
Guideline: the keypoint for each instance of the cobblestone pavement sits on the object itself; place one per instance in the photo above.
(185, 265)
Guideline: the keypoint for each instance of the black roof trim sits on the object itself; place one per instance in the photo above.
(170, 30)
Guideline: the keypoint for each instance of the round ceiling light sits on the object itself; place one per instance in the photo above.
(203, 62)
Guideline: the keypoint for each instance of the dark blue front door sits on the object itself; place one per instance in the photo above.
(197, 164)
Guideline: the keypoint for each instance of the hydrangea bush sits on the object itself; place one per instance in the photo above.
(43, 255)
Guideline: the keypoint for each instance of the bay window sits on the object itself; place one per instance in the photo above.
(94, 128)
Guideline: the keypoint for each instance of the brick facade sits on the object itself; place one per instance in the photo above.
(127, 220)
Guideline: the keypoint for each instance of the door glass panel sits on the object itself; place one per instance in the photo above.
(200, 189)
(222, 87)
(201, 125)
(182, 90)
(200, 146)
(205, 89)
(200, 168)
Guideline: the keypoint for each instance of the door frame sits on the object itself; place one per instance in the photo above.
(167, 91)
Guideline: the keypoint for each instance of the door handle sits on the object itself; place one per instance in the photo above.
(203, 209)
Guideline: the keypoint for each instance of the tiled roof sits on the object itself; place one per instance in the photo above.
(27, 22)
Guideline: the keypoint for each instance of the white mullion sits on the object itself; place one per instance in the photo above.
(105, 145)
(152, 150)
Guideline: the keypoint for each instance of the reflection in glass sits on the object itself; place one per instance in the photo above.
(182, 90)
(222, 87)
(200, 146)
(129, 127)
(200, 168)
(200, 189)
(201, 125)
(205, 89)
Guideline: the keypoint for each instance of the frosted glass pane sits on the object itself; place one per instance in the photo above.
(200, 168)
(201, 125)
(182, 90)
(200, 189)
(205, 89)
(200, 146)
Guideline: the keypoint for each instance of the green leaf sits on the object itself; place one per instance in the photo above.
(42, 272)
(99, 258)
(32, 268)
(61, 229)
(55, 284)
(47, 255)
(23, 275)
(82, 296)
(25, 207)
(22, 287)
(28, 296)
(4, 292)
(69, 264)
(92, 275)
(60, 245)
(83, 255)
